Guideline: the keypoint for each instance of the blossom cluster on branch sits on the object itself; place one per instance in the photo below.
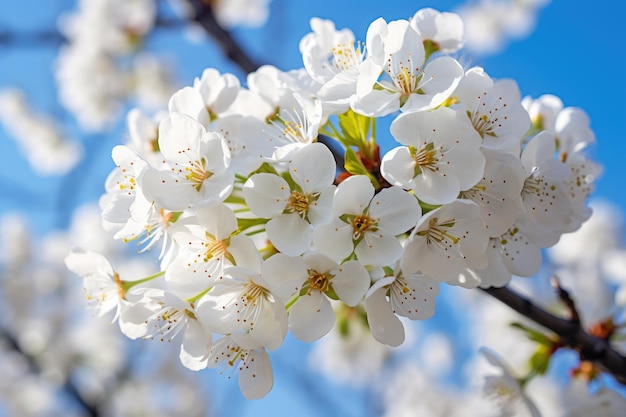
(258, 233)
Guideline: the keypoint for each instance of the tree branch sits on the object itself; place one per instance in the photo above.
(204, 16)
(572, 334)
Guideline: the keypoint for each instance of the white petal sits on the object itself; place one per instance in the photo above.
(313, 168)
(351, 282)
(385, 326)
(284, 274)
(289, 233)
(396, 210)
(266, 194)
(256, 377)
(353, 195)
(311, 317)
(189, 101)
(378, 248)
(334, 239)
(195, 346)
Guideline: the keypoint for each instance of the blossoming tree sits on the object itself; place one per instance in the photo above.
(275, 210)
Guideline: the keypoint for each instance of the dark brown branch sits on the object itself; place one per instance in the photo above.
(571, 333)
(204, 16)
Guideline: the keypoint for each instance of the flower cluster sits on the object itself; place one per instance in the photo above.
(100, 66)
(260, 236)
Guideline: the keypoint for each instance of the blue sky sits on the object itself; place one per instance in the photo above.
(577, 52)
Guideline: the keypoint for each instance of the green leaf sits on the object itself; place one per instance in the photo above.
(540, 360)
(355, 128)
(353, 164)
(534, 335)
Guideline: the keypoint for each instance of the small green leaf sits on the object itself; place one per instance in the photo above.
(353, 164)
(355, 128)
(534, 335)
(540, 360)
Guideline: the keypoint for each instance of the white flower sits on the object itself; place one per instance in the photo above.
(506, 389)
(311, 279)
(396, 50)
(544, 195)
(441, 158)
(367, 224)
(331, 58)
(411, 296)
(444, 30)
(242, 352)
(295, 125)
(293, 210)
(197, 169)
(39, 137)
(241, 301)
(494, 108)
(218, 91)
(446, 241)
(103, 286)
(208, 245)
(511, 253)
(164, 316)
(579, 402)
(498, 192)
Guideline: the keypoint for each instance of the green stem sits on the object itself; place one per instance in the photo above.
(127, 285)
(292, 302)
(196, 297)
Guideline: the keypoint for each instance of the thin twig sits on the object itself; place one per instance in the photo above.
(590, 348)
(206, 18)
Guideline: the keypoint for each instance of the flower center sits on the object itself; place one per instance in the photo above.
(298, 203)
(425, 158)
(197, 173)
(438, 232)
(532, 185)
(319, 281)
(487, 119)
(346, 56)
(361, 224)
(404, 76)
(215, 248)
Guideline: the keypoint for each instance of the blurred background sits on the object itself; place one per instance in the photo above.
(67, 80)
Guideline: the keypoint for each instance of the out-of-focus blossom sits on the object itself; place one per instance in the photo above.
(491, 24)
(39, 137)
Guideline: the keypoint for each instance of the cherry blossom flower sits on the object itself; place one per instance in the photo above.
(506, 389)
(498, 193)
(395, 295)
(197, 163)
(164, 315)
(243, 353)
(312, 279)
(544, 194)
(207, 245)
(443, 29)
(366, 224)
(293, 209)
(441, 156)
(396, 50)
(446, 241)
(332, 58)
(242, 302)
(494, 108)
